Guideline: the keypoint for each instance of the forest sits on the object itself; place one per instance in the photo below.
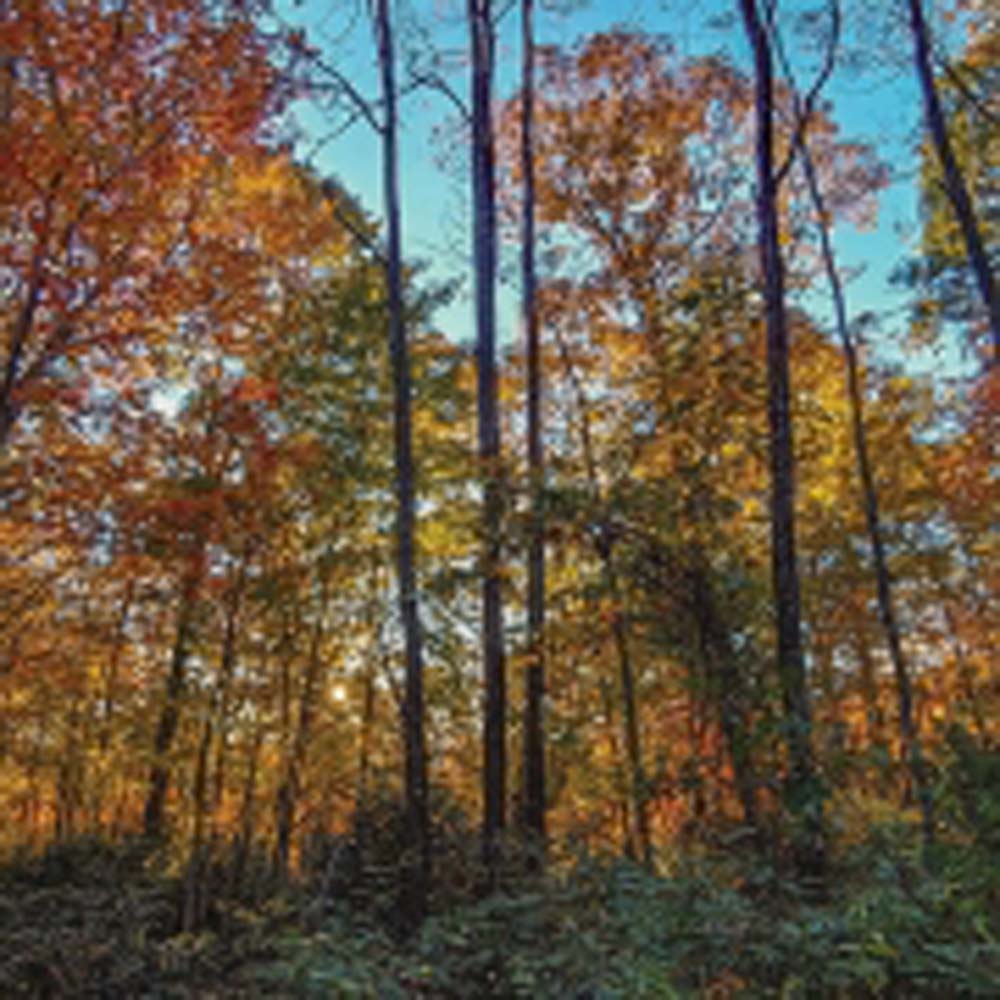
(602, 607)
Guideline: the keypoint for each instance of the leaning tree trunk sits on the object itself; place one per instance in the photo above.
(909, 733)
(418, 869)
(485, 259)
(802, 792)
(954, 183)
(534, 732)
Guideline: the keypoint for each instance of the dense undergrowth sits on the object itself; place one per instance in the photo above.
(90, 919)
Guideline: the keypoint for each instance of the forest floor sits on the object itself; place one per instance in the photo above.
(91, 920)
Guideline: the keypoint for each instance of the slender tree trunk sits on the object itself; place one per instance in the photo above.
(802, 792)
(194, 888)
(418, 871)
(108, 701)
(638, 782)
(166, 729)
(287, 797)
(954, 182)
(485, 258)
(195, 891)
(909, 732)
(534, 732)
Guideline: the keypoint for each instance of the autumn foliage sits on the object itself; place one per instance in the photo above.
(199, 635)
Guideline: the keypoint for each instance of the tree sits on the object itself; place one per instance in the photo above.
(953, 179)
(626, 210)
(115, 118)
(534, 733)
(484, 251)
(207, 525)
(965, 82)
(912, 747)
(413, 706)
(803, 794)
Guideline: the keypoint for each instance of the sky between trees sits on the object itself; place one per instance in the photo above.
(873, 95)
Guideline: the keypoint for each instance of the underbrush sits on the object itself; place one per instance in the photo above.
(607, 929)
(87, 919)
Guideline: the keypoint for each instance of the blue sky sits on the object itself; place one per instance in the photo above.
(877, 103)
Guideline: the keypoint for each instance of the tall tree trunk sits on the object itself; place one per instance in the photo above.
(485, 259)
(802, 793)
(534, 731)
(418, 870)
(954, 182)
(166, 729)
(909, 732)
(227, 666)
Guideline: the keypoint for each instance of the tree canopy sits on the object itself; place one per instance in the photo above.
(648, 654)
